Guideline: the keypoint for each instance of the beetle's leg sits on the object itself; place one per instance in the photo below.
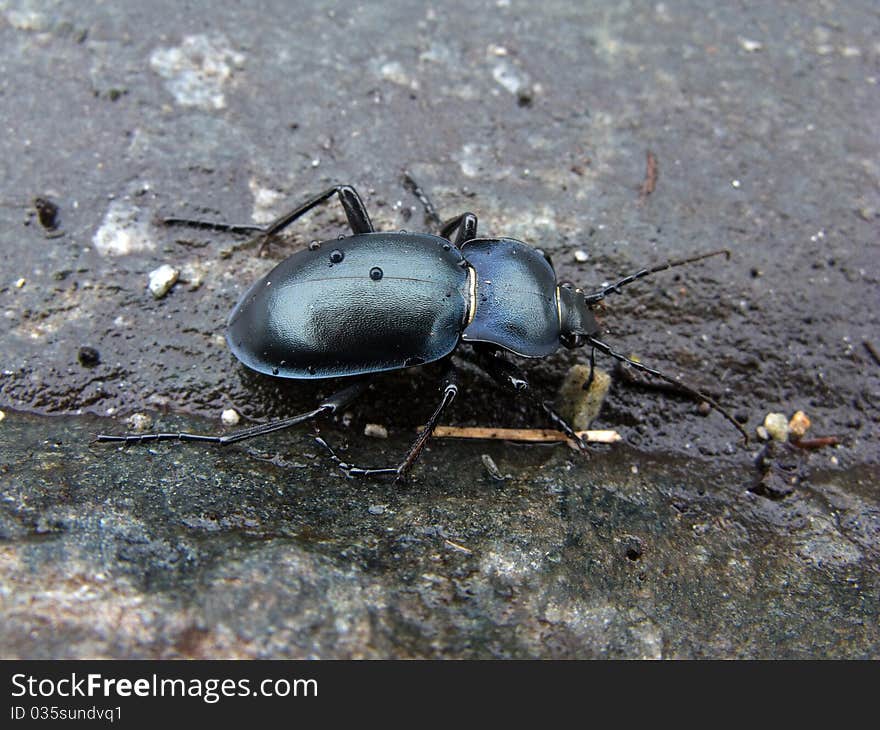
(350, 469)
(357, 215)
(598, 296)
(354, 208)
(450, 390)
(508, 374)
(431, 217)
(669, 379)
(329, 405)
(589, 381)
(465, 227)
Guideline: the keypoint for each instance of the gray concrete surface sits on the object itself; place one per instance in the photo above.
(673, 543)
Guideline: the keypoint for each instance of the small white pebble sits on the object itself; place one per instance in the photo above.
(735, 183)
(19, 283)
(750, 46)
(2, 416)
(230, 417)
(634, 469)
(834, 461)
(762, 433)
(376, 431)
(139, 422)
(776, 425)
(581, 256)
(162, 279)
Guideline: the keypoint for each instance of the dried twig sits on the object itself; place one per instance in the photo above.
(652, 173)
(816, 443)
(541, 435)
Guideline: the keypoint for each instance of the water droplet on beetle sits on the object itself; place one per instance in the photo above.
(311, 369)
(336, 256)
(274, 371)
(446, 247)
(314, 245)
(376, 273)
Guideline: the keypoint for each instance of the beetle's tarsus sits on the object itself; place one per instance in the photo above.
(431, 216)
(352, 471)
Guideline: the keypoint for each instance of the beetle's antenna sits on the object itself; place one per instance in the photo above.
(598, 344)
(614, 288)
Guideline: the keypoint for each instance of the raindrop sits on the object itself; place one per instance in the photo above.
(336, 256)
(314, 246)
(446, 246)
(274, 371)
(311, 369)
(376, 273)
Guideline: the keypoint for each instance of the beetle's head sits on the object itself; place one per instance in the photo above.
(576, 319)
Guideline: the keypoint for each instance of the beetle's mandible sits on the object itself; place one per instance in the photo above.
(373, 302)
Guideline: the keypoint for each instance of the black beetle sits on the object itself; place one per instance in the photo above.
(374, 302)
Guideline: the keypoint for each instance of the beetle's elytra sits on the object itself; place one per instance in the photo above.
(374, 301)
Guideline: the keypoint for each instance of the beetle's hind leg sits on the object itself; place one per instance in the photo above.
(329, 405)
(355, 211)
(450, 390)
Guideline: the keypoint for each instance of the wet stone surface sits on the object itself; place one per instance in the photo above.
(676, 542)
(170, 552)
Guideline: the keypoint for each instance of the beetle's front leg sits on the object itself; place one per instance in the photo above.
(509, 375)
